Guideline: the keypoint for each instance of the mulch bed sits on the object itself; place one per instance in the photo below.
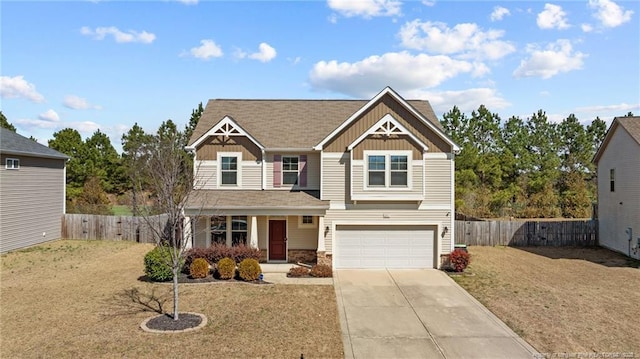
(166, 322)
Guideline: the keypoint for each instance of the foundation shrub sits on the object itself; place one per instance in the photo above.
(226, 268)
(298, 272)
(249, 269)
(321, 270)
(199, 268)
(459, 260)
(217, 252)
(157, 264)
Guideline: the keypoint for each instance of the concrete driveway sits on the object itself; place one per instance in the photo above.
(418, 314)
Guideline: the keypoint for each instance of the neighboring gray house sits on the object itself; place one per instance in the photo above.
(32, 191)
(349, 183)
(618, 161)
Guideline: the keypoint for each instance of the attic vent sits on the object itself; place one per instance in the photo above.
(227, 130)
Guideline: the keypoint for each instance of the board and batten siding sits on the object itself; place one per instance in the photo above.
(313, 170)
(208, 149)
(387, 105)
(620, 209)
(31, 202)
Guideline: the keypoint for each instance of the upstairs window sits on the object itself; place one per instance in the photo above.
(612, 180)
(388, 170)
(289, 169)
(229, 170)
(12, 164)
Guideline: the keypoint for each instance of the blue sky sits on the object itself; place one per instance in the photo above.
(108, 64)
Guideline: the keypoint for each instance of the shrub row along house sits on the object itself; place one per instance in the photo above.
(32, 191)
(349, 183)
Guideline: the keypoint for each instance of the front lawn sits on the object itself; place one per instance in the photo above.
(84, 299)
(560, 300)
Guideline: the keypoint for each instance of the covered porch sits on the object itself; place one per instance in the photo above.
(287, 226)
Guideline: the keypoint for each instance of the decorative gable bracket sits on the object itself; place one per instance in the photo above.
(227, 127)
(386, 127)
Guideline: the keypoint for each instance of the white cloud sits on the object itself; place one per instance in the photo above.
(333, 18)
(499, 13)
(609, 13)
(467, 100)
(49, 115)
(265, 53)
(87, 127)
(400, 70)
(188, 2)
(28, 123)
(428, 2)
(294, 60)
(586, 27)
(17, 86)
(552, 17)
(467, 40)
(621, 108)
(119, 36)
(366, 8)
(556, 58)
(205, 51)
(78, 103)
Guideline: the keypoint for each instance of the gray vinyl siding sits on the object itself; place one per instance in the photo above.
(334, 177)
(313, 170)
(620, 209)
(438, 182)
(206, 175)
(31, 202)
(301, 238)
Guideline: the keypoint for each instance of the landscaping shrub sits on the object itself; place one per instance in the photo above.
(298, 272)
(321, 270)
(459, 260)
(157, 264)
(217, 251)
(199, 268)
(249, 269)
(226, 268)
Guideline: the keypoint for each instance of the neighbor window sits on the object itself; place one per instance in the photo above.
(229, 170)
(612, 180)
(289, 169)
(238, 230)
(219, 230)
(390, 170)
(12, 164)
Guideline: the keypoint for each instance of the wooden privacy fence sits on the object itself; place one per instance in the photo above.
(529, 233)
(115, 228)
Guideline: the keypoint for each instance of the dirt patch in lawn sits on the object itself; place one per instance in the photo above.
(561, 300)
(84, 299)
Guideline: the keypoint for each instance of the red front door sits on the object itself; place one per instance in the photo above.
(277, 240)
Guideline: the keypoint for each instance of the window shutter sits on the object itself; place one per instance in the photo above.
(303, 171)
(277, 170)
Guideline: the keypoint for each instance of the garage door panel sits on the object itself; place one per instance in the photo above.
(385, 246)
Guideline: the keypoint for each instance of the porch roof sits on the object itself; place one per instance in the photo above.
(255, 202)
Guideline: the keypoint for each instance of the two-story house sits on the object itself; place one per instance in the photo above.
(351, 183)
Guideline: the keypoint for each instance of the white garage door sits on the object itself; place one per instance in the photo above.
(384, 246)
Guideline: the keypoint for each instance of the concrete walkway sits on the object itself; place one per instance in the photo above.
(418, 314)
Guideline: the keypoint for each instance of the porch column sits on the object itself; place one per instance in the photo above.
(321, 234)
(253, 237)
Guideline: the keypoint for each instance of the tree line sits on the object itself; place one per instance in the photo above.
(526, 168)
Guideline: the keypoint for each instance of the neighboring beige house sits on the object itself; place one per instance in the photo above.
(32, 192)
(618, 161)
(351, 183)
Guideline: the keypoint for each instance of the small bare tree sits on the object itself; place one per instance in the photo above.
(166, 172)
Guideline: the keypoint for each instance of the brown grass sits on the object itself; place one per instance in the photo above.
(568, 300)
(83, 299)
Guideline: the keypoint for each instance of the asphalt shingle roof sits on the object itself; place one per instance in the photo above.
(256, 199)
(289, 123)
(632, 125)
(15, 144)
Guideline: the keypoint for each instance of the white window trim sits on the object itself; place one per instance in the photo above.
(314, 223)
(238, 156)
(387, 170)
(13, 163)
(282, 171)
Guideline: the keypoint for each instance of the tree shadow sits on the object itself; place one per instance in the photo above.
(597, 255)
(135, 300)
